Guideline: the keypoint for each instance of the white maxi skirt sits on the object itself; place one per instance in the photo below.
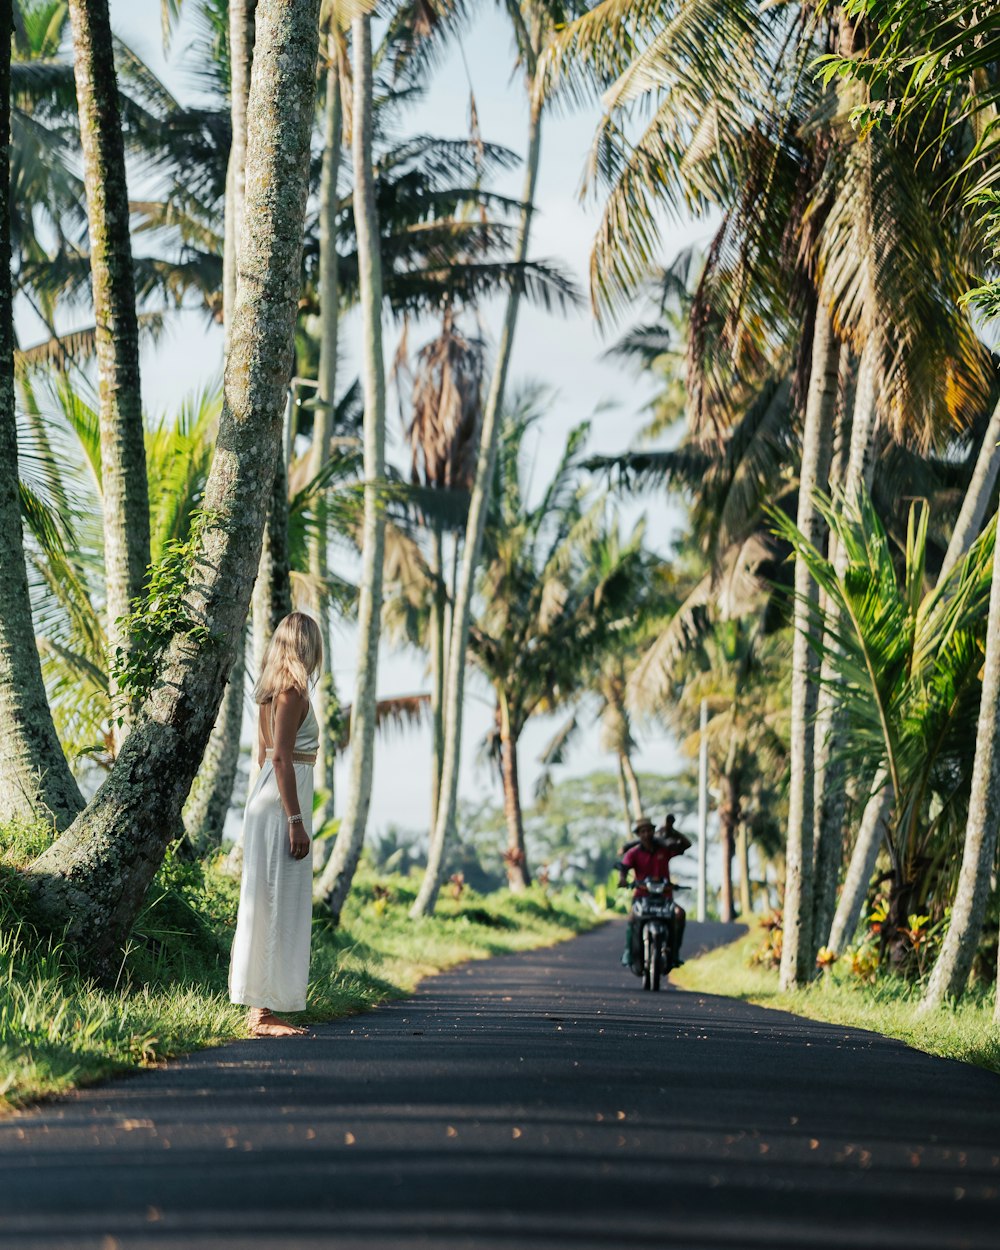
(269, 964)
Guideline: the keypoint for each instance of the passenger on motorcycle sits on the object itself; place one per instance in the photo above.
(650, 856)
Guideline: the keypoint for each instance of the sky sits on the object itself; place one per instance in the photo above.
(566, 353)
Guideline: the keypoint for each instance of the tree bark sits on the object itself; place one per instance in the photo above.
(516, 859)
(272, 594)
(623, 795)
(437, 640)
(444, 827)
(852, 472)
(969, 525)
(241, 41)
(35, 779)
(951, 971)
(729, 817)
(743, 855)
(326, 396)
(124, 488)
(339, 872)
(211, 794)
(797, 961)
(635, 796)
(860, 869)
(92, 881)
(703, 810)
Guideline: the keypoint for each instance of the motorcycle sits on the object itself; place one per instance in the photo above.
(653, 913)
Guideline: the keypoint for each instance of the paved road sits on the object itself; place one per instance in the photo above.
(538, 1101)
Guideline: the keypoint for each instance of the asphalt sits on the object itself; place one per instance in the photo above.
(533, 1101)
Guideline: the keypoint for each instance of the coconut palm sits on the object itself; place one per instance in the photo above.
(535, 24)
(557, 585)
(34, 777)
(907, 665)
(95, 876)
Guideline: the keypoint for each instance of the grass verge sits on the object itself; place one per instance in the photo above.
(889, 1005)
(58, 1030)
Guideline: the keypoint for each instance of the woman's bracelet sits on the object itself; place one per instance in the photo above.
(296, 819)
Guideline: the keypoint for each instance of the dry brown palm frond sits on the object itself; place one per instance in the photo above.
(447, 409)
(397, 713)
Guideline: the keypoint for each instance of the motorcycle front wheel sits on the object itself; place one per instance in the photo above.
(656, 969)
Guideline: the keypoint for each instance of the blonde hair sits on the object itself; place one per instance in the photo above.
(292, 658)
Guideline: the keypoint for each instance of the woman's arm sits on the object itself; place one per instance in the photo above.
(290, 709)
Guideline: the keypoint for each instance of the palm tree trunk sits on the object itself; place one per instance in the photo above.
(635, 797)
(623, 795)
(796, 956)
(339, 872)
(852, 469)
(860, 868)
(124, 488)
(93, 880)
(241, 40)
(272, 592)
(951, 971)
(35, 780)
(703, 811)
(437, 639)
(475, 525)
(208, 804)
(211, 794)
(729, 815)
(743, 856)
(977, 497)
(326, 395)
(516, 858)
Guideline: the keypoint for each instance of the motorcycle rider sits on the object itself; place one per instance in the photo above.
(650, 856)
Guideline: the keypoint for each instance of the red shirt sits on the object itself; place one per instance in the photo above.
(654, 863)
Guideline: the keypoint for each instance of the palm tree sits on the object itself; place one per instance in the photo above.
(123, 465)
(534, 27)
(94, 878)
(557, 585)
(339, 871)
(34, 776)
(907, 665)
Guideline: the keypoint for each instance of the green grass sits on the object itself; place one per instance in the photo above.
(58, 1030)
(964, 1031)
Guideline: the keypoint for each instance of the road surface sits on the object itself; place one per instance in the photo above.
(536, 1102)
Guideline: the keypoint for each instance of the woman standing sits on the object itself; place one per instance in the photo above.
(269, 966)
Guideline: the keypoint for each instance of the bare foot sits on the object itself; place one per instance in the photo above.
(264, 1023)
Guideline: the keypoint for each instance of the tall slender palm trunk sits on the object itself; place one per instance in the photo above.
(211, 794)
(124, 487)
(35, 780)
(444, 826)
(951, 971)
(241, 41)
(729, 819)
(743, 857)
(516, 858)
(977, 499)
(327, 706)
(851, 472)
(860, 868)
(702, 810)
(437, 639)
(93, 880)
(339, 872)
(634, 792)
(623, 795)
(797, 961)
